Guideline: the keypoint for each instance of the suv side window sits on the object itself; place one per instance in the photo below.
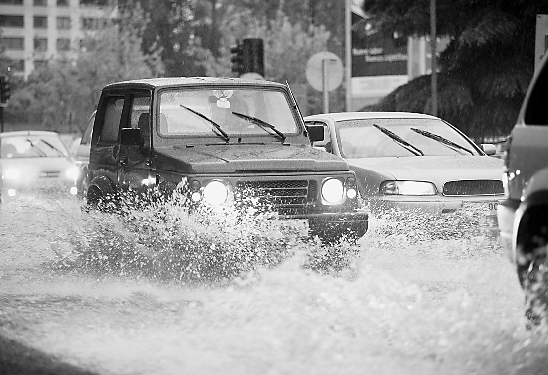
(111, 123)
(535, 112)
(139, 116)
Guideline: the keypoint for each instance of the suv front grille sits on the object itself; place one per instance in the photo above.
(282, 196)
(473, 187)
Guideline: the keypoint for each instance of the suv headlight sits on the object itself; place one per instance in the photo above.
(215, 193)
(332, 191)
(407, 188)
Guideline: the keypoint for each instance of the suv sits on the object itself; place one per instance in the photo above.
(81, 155)
(228, 141)
(523, 215)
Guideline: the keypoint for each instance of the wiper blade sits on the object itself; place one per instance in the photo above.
(59, 152)
(40, 152)
(262, 124)
(441, 140)
(223, 134)
(408, 146)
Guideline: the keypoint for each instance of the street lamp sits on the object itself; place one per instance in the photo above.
(433, 58)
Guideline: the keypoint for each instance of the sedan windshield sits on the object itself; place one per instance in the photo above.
(32, 146)
(361, 138)
(229, 113)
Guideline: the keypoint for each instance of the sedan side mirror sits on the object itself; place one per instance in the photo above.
(315, 133)
(131, 137)
(489, 148)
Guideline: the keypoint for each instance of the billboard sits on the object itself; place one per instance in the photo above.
(378, 62)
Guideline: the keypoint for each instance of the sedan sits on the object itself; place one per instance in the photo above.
(36, 161)
(412, 161)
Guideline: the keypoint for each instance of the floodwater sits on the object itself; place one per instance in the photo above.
(150, 294)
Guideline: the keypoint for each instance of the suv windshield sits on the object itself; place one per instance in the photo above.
(234, 111)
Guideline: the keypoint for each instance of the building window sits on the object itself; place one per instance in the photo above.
(40, 44)
(16, 44)
(63, 23)
(62, 3)
(40, 64)
(93, 23)
(11, 21)
(40, 22)
(63, 44)
(94, 3)
(18, 65)
(40, 3)
(11, 2)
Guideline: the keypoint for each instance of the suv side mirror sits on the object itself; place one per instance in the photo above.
(315, 132)
(131, 137)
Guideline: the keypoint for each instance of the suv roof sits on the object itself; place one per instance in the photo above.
(189, 81)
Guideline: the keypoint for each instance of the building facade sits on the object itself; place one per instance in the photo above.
(32, 32)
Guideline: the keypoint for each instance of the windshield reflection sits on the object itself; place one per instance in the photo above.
(213, 106)
(361, 139)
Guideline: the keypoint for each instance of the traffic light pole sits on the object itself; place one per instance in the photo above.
(1, 119)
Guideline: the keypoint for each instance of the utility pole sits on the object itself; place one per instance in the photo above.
(433, 58)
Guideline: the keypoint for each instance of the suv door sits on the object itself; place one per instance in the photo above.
(103, 158)
(134, 162)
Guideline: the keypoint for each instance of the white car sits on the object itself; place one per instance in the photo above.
(412, 161)
(35, 161)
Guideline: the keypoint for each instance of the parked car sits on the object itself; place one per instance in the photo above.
(81, 154)
(522, 216)
(411, 161)
(221, 141)
(35, 160)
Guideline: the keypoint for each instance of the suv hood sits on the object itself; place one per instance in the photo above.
(237, 158)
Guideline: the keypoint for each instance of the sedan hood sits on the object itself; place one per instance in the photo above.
(242, 158)
(437, 169)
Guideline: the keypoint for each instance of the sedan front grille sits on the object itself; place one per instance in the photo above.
(282, 196)
(473, 187)
(49, 174)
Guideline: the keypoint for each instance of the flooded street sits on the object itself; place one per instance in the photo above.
(427, 298)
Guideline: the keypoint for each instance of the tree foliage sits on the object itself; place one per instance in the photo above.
(484, 71)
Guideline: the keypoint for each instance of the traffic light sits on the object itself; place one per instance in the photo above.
(237, 59)
(254, 56)
(4, 89)
(248, 56)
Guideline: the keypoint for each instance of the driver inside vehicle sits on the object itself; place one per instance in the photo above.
(221, 112)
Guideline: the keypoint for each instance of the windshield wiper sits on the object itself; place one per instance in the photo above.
(441, 140)
(223, 134)
(408, 146)
(262, 124)
(59, 152)
(40, 152)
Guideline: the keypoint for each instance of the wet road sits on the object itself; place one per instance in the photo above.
(413, 298)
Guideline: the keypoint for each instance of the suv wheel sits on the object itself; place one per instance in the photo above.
(536, 289)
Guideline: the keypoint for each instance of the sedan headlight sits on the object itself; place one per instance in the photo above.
(72, 173)
(215, 193)
(407, 188)
(332, 191)
(11, 174)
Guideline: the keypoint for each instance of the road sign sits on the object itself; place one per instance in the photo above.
(324, 63)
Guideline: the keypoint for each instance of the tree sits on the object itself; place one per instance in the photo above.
(62, 95)
(486, 68)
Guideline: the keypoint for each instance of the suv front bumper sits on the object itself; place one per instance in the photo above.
(506, 214)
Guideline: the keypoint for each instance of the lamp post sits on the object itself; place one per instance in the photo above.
(433, 46)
